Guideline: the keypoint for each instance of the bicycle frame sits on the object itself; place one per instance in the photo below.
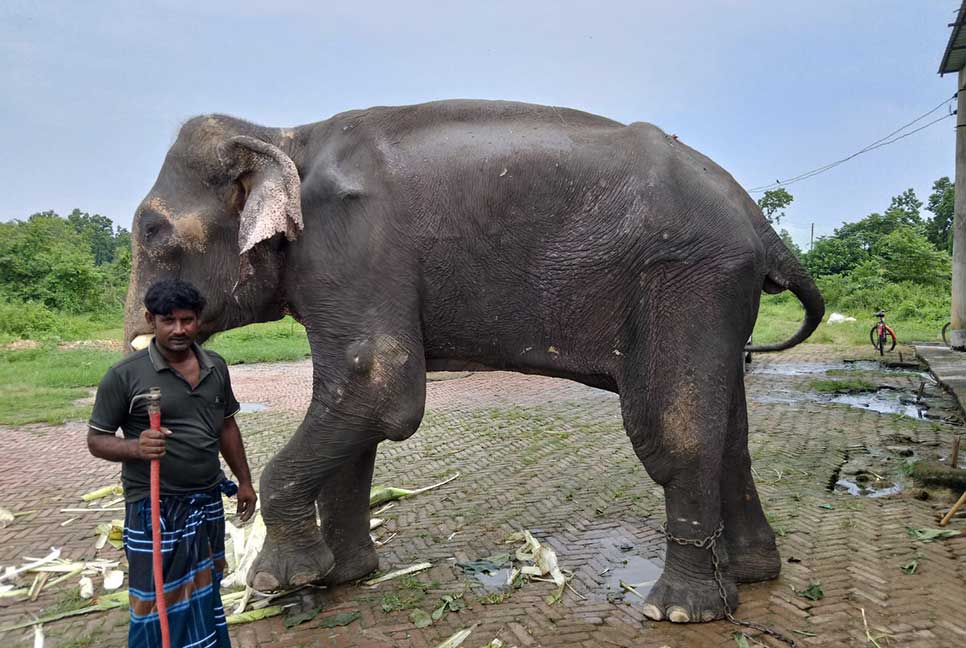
(882, 327)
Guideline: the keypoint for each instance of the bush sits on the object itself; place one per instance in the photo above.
(30, 319)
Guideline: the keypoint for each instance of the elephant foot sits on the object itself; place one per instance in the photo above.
(754, 562)
(352, 564)
(681, 599)
(299, 559)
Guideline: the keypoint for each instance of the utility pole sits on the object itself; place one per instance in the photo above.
(957, 315)
(811, 239)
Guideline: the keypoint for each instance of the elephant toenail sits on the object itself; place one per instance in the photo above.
(652, 612)
(708, 615)
(677, 614)
(265, 582)
(304, 579)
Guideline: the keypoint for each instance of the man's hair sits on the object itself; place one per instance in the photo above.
(167, 295)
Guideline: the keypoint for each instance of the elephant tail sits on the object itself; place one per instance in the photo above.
(786, 273)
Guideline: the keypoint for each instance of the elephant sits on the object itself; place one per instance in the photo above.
(483, 235)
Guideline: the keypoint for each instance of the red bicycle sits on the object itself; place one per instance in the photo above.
(880, 334)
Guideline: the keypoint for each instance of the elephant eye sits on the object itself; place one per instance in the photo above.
(152, 225)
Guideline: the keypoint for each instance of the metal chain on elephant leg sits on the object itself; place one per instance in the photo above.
(710, 543)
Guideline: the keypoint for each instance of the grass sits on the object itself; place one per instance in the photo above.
(41, 385)
(848, 386)
(781, 315)
(268, 342)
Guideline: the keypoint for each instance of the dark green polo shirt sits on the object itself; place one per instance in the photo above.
(194, 416)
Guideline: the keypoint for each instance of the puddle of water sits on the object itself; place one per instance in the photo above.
(884, 401)
(639, 573)
(248, 408)
(858, 490)
(811, 368)
(493, 582)
(800, 369)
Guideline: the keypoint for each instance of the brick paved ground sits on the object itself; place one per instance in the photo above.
(551, 456)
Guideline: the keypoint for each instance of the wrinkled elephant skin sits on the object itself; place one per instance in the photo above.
(482, 235)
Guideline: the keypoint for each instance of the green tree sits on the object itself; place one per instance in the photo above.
(772, 204)
(98, 231)
(834, 255)
(907, 255)
(906, 207)
(44, 259)
(938, 229)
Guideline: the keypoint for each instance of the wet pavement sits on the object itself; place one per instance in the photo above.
(551, 456)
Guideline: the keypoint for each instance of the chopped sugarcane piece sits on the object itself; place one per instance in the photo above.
(382, 494)
(106, 491)
(399, 572)
(457, 639)
(10, 572)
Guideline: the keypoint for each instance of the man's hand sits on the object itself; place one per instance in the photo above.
(151, 444)
(246, 501)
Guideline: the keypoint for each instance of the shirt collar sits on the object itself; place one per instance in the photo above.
(159, 363)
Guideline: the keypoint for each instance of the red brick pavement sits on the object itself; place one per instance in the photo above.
(551, 456)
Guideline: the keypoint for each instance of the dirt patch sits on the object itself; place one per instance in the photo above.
(21, 345)
(106, 345)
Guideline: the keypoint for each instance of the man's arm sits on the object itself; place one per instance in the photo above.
(233, 450)
(150, 445)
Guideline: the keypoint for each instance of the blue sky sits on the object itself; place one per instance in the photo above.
(93, 92)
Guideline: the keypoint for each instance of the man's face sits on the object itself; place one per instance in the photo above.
(175, 332)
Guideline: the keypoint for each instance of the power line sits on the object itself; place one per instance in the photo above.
(879, 143)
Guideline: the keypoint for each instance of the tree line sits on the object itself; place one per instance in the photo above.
(52, 265)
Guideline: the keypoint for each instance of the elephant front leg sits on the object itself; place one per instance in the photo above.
(328, 464)
(344, 510)
(296, 551)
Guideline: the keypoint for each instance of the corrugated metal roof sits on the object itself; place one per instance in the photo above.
(954, 59)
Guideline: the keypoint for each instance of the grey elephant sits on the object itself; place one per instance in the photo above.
(484, 235)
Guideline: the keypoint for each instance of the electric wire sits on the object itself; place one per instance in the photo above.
(879, 143)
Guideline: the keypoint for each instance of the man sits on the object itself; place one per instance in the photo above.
(198, 417)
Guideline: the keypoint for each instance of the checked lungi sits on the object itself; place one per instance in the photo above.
(193, 550)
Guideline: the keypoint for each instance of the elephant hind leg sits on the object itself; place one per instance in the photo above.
(676, 395)
(749, 538)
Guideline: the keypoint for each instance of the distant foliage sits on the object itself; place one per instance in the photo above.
(890, 247)
(49, 265)
(938, 229)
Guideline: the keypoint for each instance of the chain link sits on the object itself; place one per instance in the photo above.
(710, 543)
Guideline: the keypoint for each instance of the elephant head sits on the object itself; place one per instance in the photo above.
(224, 204)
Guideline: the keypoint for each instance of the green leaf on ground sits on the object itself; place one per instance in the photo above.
(292, 620)
(450, 603)
(420, 618)
(910, 567)
(805, 633)
(827, 507)
(928, 535)
(813, 592)
(338, 620)
(741, 640)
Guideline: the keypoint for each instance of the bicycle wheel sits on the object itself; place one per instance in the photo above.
(945, 332)
(874, 336)
(889, 335)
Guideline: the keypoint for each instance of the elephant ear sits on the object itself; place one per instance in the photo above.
(273, 202)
